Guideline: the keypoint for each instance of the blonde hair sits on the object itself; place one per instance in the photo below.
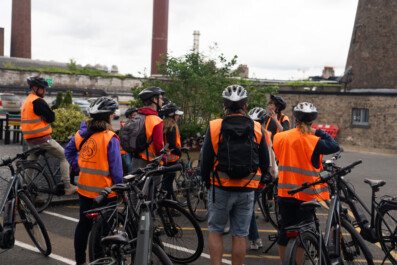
(94, 125)
(169, 124)
(304, 127)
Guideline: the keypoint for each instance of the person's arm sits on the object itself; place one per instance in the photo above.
(171, 140)
(207, 158)
(72, 155)
(114, 160)
(263, 158)
(273, 168)
(285, 125)
(157, 137)
(326, 145)
(41, 108)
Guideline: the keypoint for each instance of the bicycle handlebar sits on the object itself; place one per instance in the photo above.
(23, 155)
(340, 172)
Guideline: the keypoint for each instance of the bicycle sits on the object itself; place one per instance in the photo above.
(173, 226)
(335, 246)
(382, 226)
(16, 199)
(269, 207)
(197, 195)
(181, 180)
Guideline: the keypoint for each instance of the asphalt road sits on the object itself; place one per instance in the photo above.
(61, 220)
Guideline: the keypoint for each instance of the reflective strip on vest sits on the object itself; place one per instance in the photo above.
(32, 121)
(94, 171)
(299, 171)
(307, 191)
(38, 130)
(89, 188)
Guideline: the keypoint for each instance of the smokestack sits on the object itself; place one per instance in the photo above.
(372, 52)
(196, 41)
(160, 32)
(1, 41)
(21, 29)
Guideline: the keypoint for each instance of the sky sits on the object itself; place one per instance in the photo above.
(276, 39)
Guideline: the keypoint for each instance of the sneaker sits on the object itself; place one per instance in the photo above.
(259, 243)
(69, 191)
(254, 245)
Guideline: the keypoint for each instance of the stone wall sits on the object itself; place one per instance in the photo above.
(336, 108)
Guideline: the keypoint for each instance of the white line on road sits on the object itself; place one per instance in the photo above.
(62, 216)
(53, 256)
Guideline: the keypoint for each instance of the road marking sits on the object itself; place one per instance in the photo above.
(62, 216)
(53, 256)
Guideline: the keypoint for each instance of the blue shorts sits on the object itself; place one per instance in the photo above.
(237, 205)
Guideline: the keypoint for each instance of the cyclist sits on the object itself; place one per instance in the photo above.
(171, 136)
(94, 151)
(36, 117)
(259, 114)
(299, 153)
(276, 121)
(232, 194)
(125, 156)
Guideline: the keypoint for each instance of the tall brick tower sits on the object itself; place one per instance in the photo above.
(21, 29)
(160, 32)
(1, 41)
(373, 47)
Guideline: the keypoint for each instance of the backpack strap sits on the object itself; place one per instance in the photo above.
(85, 140)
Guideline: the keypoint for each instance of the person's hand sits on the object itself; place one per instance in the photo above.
(273, 114)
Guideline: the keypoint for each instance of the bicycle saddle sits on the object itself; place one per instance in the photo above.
(375, 183)
(114, 239)
(310, 205)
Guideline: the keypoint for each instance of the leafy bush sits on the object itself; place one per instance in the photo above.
(59, 98)
(67, 100)
(190, 130)
(67, 122)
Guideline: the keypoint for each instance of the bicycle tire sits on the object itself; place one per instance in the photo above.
(197, 198)
(40, 185)
(271, 214)
(310, 244)
(179, 187)
(387, 217)
(33, 224)
(177, 232)
(354, 249)
(110, 222)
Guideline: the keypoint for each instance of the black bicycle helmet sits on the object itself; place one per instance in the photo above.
(279, 102)
(257, 114)
(234, 97)
(37, 81)
(150, 92)
(305, 112)
(103, 105)
(131, 110)
(170, 110)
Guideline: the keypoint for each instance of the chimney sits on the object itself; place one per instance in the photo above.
(196, 41)
(1, 41)
(160, 32)
(21, 29)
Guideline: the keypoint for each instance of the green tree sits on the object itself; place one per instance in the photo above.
(59, 98)
(67, 100)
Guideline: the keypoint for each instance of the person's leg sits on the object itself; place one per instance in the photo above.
(215, 246)
(238, 250)
(253, 234)
(127, 160)
(83, 229)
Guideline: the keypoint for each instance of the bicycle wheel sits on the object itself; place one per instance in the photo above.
(270, 206)
(197, 198)
(177, 231)
(33, 224)
(354, 248)
(39, 185)
(159, 257)
(307, 246)
(179, 187)
(386, 227)
(110, 222)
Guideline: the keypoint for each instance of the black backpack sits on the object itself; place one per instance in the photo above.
(238, 153)
(133, 135)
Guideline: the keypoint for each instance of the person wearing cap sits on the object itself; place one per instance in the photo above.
(36, 117)
(171, 136)
(125, 156)
(277, 121)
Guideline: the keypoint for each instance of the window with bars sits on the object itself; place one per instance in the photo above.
(360, 116)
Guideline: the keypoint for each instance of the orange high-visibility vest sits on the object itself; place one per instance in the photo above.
(294, 151)
(151, 121)
(172, 157)
(225, 181)
(94, 173)
(33, 125)
(280, 120)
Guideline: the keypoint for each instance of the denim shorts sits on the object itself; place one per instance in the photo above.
(236, 205)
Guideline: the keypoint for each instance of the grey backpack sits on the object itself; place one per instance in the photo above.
(133, 135)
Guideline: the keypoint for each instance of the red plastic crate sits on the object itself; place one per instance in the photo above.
(331, 129)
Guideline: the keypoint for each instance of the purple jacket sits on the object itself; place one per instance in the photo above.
(114, 157)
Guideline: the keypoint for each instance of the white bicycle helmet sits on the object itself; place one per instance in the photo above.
(305, 112)
(257, 114)
(234, 97)
(103, 105)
